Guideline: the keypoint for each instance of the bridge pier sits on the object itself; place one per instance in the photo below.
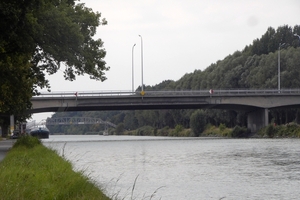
(257, 119)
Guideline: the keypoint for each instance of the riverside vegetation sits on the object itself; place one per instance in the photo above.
(291, 130)
(32, 171)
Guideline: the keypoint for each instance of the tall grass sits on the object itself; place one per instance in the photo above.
(32, 171)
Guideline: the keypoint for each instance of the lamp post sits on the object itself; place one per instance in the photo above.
(132, 69)
(142, 64)
(280, 45)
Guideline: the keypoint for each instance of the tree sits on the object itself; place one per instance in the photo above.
(38, 37)
(15, 84)
(130, 122)
(198, 122)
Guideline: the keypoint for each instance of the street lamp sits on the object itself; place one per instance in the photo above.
(142, 64)
(132, 69)
(280, 45)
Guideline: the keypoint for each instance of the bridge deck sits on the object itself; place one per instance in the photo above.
(218, 99)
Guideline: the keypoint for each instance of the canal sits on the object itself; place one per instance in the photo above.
(142, 167)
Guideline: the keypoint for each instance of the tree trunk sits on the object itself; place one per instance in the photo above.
(4, 129)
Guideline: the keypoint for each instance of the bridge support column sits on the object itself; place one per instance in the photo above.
(258, 119)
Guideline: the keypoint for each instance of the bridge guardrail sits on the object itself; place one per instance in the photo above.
(84, 93)
(172, 93)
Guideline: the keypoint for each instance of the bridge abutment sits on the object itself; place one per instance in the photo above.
(257, 119)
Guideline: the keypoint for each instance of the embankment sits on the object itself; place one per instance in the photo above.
(32, 171)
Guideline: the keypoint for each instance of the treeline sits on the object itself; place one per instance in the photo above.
(255, 67)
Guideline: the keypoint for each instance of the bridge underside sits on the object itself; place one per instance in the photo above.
(144, 107)
(253, 121)
(256, 106)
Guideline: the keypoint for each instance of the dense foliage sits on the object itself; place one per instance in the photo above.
(255, 67)
(291, 130)
(197, 122)
(39, 37)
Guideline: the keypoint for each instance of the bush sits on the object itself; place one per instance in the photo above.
(270, 131)
(222, 127)
(145, 130)
(240, 132)
(111, 131)
(177, 131)
(288, 130)
(213, 131)
(164, 131)
(178, 128)
(27, 141)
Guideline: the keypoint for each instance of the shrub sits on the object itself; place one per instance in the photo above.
(226, 133)
(178, 128)
(164, 131)
(173, 133)
(213, 131)
(222, 127)
(270, 131)
(177, 131)
(240, 132)
(145, 130)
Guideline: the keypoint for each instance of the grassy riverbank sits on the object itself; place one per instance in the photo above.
(32, 171)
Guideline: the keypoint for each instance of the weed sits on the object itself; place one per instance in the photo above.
(27, 141)
(116, 194)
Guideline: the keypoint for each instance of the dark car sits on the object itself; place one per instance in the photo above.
(15, 135)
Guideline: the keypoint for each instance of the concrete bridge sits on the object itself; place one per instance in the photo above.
(255, 102)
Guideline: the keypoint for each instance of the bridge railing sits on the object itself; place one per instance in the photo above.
(257, 91)
(84, 93)
(174, 93)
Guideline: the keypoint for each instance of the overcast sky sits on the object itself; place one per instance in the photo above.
(178, 37)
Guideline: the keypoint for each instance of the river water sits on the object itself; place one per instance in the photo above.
(142, 167)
